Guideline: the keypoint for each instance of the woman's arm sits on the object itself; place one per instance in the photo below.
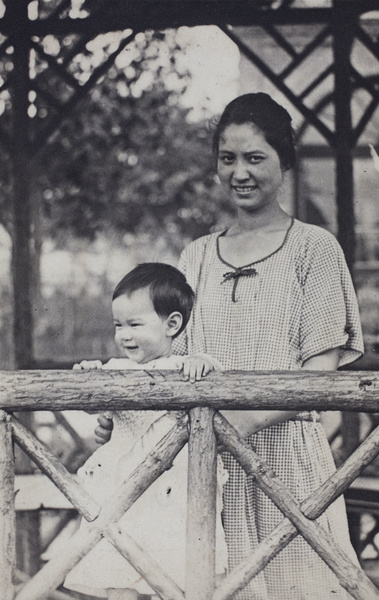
(327, 361)
(248, 422)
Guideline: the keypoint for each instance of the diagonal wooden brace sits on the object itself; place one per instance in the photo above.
(143, 564)
(351, 577)
(312, 507)
(158, 461)
(50, 465)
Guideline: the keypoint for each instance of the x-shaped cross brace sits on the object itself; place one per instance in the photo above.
(299, 517)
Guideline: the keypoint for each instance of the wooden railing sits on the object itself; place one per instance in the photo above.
(203, 427)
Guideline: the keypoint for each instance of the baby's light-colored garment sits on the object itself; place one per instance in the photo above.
(157, 520)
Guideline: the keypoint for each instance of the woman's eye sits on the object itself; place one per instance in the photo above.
(255, 159)
(226, 160)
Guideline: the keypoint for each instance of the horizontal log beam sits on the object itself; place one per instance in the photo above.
(150, 14)
(141, 390)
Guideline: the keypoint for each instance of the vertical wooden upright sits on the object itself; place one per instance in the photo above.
(343, 37)
(342, 45)
(22, 242)
(201, 515)
(343, 27)
(28, 545)
(7, 510)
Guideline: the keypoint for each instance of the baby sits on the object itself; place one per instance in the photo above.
(151, 305)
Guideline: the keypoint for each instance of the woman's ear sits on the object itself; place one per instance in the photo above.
(173, 323)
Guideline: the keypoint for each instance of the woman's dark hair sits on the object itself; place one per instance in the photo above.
(272, 119)
(169, 290)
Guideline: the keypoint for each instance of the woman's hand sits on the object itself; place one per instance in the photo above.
(104, 429)
(249, 422)
(197, 366)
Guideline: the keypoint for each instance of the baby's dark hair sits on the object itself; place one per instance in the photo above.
(270, 117)
(169, 290)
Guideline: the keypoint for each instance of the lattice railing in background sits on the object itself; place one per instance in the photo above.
(56, 81)
(65, 390)
(305, 79)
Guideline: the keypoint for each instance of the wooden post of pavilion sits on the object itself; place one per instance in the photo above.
(28, 528)
(342, 44)
(21, 202)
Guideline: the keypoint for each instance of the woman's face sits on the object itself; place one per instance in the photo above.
(248, 167)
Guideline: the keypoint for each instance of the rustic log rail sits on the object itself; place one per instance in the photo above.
(142, 390)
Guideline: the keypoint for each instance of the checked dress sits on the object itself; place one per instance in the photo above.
(275, 314)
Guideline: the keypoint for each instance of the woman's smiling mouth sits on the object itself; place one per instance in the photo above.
(244, 189)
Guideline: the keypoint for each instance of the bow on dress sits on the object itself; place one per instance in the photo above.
(236, 274)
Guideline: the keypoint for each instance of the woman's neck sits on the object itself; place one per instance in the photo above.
(251, 241)
(247, 222)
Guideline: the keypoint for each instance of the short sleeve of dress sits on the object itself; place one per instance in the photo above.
(330, 315)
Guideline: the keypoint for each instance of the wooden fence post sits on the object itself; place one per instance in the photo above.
(7, 510)
(201, 507)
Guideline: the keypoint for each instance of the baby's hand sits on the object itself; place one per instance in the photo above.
(87, 364)
(104, 428)
(197, 366)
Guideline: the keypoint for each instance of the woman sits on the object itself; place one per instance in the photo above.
(271, 293)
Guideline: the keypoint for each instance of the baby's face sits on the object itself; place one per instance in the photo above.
(140, 333)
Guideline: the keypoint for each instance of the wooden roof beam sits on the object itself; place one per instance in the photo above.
(162, 14)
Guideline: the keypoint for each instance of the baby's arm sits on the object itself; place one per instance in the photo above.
(199, 365)
(194, 368)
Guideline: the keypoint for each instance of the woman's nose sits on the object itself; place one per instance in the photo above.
(241, 171)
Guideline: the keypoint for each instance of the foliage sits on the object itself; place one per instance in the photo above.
(127, 159)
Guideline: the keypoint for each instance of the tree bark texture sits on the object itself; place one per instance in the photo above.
(201, 505)
(7, 510)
